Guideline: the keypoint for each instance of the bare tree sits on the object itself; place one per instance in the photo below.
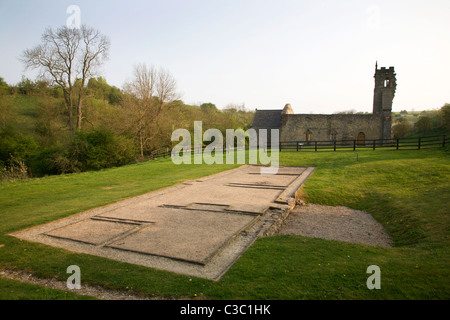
(148, 93)
(94, 48)
(139, 101)
(65, 55)
(165, 90)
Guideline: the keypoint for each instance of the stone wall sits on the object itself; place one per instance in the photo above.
(329, 127)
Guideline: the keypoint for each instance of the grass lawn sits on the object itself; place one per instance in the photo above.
(407, 191)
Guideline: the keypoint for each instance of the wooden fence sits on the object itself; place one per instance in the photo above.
(394, 144)
(167, 153)
(160, 153)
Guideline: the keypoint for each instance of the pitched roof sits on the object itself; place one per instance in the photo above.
(267, 119)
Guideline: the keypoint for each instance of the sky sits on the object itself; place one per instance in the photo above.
(318, 55)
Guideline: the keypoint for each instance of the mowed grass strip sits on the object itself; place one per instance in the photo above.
(407, 191)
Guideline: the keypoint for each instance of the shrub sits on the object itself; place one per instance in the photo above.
(100, 149)
(16, 146)
(445, 114)
(424, 124)
(402, 128)
(54, 160)
(16, 169)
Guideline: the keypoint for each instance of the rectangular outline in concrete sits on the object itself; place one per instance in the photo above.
(255, 186)
(137, 227)
(228, 209)
(203, 262)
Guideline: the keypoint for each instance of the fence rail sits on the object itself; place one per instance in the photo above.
(395, 144)
(167, 152)
(160, 153)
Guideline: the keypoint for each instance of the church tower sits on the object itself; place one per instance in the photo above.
(384, 92)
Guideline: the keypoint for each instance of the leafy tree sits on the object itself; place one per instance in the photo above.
(209, 107)
(99, 88)
(3, 82)
(399, 120)
(6, 102)
(115, 95)
(402, 128)
(25, 86)
(445, 115)
(424, 124)
(17, 146)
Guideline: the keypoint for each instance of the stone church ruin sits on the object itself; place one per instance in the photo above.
(306, 128)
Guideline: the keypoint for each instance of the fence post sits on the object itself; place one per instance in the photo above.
(443, 141)
(297, 145)
(334, 145)
(315, 145)
(354, 145)
(418, 144)
(397, 144)
(374, 144)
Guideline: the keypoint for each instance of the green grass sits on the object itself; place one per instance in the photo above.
(16, 290)
(407, 191)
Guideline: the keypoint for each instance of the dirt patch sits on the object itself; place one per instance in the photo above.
(335, 223)
(88, 290)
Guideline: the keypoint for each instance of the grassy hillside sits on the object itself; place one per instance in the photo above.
(35, 138)
(421, 123)
(407, 191)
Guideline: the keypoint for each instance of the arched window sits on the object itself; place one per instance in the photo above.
(308, 136)
(333, 135)
(361, 139)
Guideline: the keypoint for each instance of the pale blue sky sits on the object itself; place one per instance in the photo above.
(319, 56)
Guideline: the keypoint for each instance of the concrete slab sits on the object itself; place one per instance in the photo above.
(199, 227)
(91, 231)
(188, 235)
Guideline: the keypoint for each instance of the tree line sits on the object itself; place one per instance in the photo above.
(70, 119)
(423, 123)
